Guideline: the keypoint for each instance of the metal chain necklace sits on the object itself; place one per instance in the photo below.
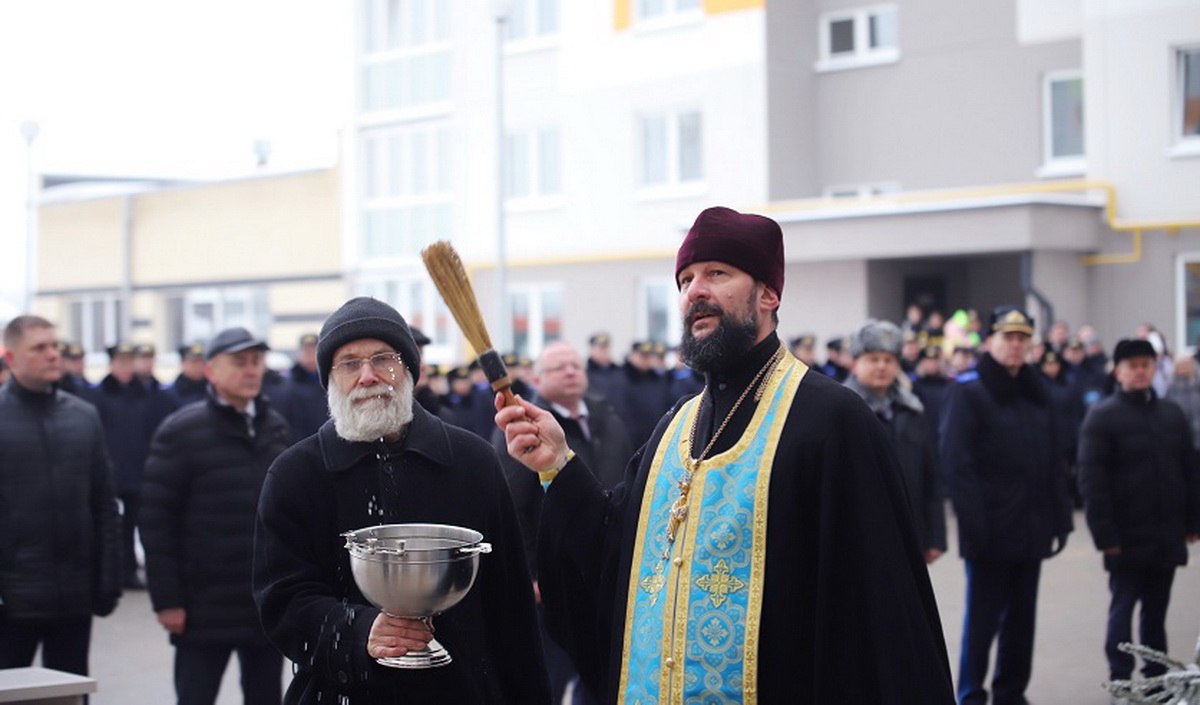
(679, 508)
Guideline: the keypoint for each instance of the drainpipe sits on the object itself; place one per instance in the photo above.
(1047, 308)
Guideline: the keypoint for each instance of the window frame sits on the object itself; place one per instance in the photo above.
(672, 185)
(671, 16)
(389, 171)
(1182, 145)
(83, 324)
(863, 55)
(533, 197)
(536, 293)
(1055, 166)
(532, 39)
(1182, 260)
(377, 52)
(674, 327)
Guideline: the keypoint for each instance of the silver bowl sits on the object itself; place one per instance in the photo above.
(415, 571)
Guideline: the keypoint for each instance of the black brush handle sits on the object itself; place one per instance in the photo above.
(497, 374)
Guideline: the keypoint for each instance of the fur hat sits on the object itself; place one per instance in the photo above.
(364, 317)
(877, 336)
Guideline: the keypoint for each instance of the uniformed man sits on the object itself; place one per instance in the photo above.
(644, 392)
(1008, 481)
(191, 384)
(301, 398)
(73, 378)
(604, 376)
(145, 356)
(804, 348)
(837, 362)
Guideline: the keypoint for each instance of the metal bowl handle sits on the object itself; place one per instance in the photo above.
(476, 549)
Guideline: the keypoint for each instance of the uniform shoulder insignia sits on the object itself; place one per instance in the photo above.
(968, 376)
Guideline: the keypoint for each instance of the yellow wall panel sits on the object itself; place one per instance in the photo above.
(79, 244)
(714, 7)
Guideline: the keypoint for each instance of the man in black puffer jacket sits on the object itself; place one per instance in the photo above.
(59, 530)
(1140, 486)
(206, 467)
(1006, 474)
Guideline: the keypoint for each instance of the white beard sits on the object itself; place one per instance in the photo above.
(386, 411)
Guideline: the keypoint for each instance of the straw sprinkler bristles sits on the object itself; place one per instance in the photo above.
(448, 274)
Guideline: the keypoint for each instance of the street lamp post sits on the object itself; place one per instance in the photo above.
(504, 329)
(29, 131)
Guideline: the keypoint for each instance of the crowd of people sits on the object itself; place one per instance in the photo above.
(731, 516)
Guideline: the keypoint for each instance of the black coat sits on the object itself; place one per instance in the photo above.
(188, 390)
(606, 453)
(130, 414)
(1003, 466)
(301, 400)
(848, 614)
(916, 447)
(59, 528)
(199, 499)
(1140, 483)
(644, 396)
(316, 615)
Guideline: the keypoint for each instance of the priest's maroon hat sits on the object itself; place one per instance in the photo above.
(752, 243)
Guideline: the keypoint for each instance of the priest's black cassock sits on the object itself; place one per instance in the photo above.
(848, 614)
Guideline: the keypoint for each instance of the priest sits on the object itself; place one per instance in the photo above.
(760, 548)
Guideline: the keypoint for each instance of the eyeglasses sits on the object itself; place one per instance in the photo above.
(383, 363)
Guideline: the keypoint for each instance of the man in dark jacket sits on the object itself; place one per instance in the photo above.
(130, 410)
(875, 376)
(382, 459)
(59, 534)
(643, 393)
(191, 385)
(1008, 481)
(300, 397)
(206, 467)
(1141, 489)
(594, 429)
(604, 375)
(73, 378)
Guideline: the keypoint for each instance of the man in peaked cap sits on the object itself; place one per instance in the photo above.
(300, 396)
(804, 348)
(130, 411)
(1006, 473)
(73, 379)
(191, 384)
(876, 377)
(740, 525)
(382, 459)
(604, 375)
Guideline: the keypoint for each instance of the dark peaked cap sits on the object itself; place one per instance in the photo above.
(752, 243)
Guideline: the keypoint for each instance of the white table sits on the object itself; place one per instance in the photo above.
(43, 686)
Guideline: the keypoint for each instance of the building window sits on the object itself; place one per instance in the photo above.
(95, 321)
(1189, 308)
(407, 56)
(1187, 111)
(408, 192)
(536, 316)
(531, 164)
(530, 19)
(196, 315)
(417, 299)
(658, 311)
(867, 36)
(652, 10)
(672, 147)
(1062, 125)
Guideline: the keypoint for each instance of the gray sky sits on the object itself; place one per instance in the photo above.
(164, 88)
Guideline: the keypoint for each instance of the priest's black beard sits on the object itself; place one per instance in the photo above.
(726, 343)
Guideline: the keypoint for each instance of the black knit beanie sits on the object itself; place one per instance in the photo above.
(364, 317)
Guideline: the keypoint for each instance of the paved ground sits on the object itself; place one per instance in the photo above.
(132, 659)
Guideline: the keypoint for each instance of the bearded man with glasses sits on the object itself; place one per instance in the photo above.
(381, 459)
